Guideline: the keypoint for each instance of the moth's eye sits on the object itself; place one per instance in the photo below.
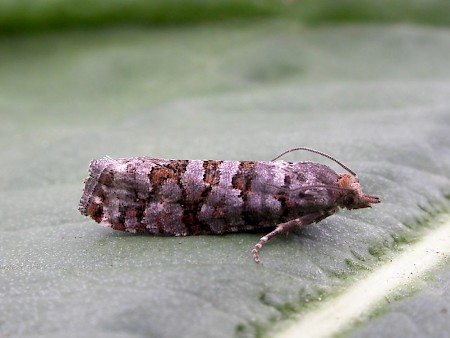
(348, 200)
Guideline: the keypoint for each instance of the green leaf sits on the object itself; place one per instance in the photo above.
(19, 16)
(375, 97)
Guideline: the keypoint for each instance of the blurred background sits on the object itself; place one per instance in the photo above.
(63, 59)
(96, 62)
(31, 16)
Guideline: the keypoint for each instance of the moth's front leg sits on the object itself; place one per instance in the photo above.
(286, 228)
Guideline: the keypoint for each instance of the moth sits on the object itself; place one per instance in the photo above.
(203, 197)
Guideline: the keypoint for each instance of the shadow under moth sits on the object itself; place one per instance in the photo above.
(203, 197)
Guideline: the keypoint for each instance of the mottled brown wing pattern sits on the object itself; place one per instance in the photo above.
(200, 197)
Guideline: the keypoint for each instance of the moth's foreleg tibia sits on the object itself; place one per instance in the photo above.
(285, 228)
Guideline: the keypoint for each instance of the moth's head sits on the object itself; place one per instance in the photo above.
(352, 195)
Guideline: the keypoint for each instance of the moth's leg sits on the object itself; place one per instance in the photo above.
(285, 228)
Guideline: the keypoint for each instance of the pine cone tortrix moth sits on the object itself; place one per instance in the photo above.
(201, 197)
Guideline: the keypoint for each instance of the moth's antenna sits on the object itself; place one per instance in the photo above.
(317, 152)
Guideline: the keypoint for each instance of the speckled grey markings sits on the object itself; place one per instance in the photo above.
(193, 180)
